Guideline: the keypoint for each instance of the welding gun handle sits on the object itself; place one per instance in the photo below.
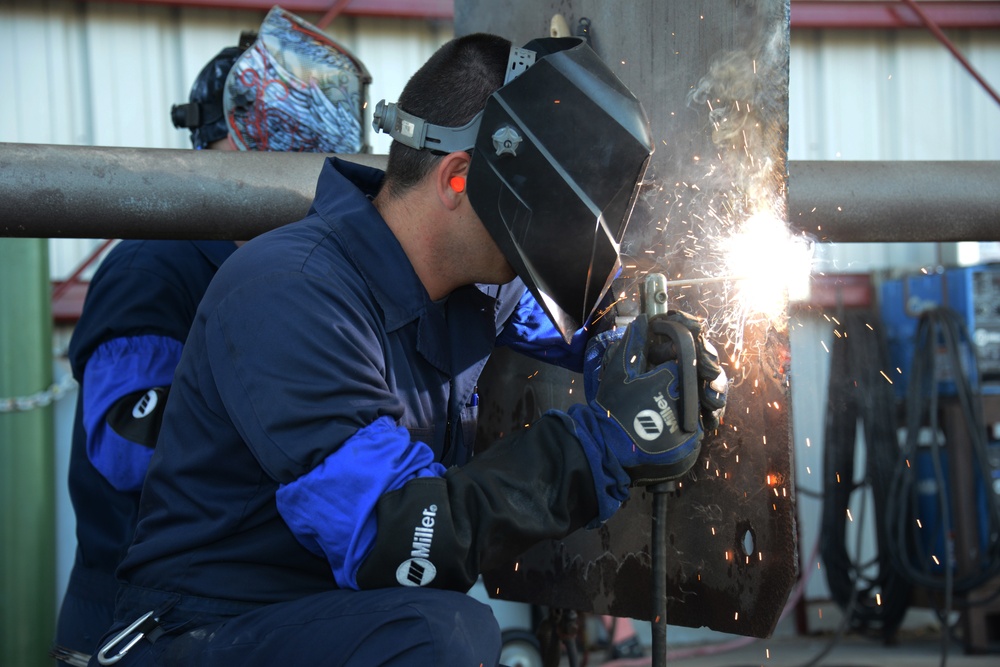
(687, 360)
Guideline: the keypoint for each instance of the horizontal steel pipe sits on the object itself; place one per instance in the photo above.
(101, 192)
(895, 201)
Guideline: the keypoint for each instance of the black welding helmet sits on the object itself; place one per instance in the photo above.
(203, 114)
(558, 154)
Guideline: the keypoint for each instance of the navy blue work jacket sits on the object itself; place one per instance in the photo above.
(307, 334)
(140, 288)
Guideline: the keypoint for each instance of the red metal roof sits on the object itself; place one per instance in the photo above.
(856, 14)
(830, 14)
(414, 9)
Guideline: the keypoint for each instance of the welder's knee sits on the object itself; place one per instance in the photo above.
(447, 628)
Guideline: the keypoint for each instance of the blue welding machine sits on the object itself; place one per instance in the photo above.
(972, 292)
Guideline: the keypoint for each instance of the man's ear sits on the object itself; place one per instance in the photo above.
(450, 177)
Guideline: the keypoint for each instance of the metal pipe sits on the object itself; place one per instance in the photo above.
(100, 192)
(895, 201)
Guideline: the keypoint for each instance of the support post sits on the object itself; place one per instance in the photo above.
(27, 492)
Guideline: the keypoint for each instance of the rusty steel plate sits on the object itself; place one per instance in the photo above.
(713, 79)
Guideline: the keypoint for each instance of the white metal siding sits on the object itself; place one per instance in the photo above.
(890, 95)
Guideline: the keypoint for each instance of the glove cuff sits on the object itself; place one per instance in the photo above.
(611, 481)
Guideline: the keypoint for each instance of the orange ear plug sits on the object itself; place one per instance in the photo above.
(457, 183)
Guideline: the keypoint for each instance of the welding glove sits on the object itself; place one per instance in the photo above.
(712, 380)
(644, 399)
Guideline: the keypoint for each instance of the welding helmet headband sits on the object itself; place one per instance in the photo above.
(295, 89)
(203, 112)
(558, 154)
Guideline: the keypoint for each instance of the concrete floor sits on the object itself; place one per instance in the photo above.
(924, 651)
(919, 646)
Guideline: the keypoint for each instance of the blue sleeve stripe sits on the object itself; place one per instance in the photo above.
(122, 462)
(532, 333)
(331, 509)
(117, 368)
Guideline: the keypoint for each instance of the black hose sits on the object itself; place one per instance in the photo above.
(859, 394)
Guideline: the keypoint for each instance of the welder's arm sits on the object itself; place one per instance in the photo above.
(383, 513)
(125, 387)
(565, 472)
(380, 501)
(442, 532)
(531, 332)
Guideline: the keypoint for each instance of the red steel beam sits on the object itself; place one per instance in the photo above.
(410, 9)
(830, 14)
(827, 14)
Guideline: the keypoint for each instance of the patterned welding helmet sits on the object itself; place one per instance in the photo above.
(559, 152)
(295, 89)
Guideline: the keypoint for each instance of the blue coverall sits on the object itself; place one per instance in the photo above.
(139, 307)
(323, 401)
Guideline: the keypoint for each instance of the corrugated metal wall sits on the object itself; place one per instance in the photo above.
(106, 74)
(900, 95)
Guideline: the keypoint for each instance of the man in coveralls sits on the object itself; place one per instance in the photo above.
(312, 498)
(140, 305)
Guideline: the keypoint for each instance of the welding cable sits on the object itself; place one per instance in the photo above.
(858, 393)
(941, 328)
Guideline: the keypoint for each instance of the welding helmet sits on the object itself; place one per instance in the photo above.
(203, 113)
(295, 89)
(558, 154)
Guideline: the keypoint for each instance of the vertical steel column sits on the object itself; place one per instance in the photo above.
(713, 78)
(27, 493)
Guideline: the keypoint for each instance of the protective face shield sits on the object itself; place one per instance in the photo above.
(203, 113)
(295, 89)
(558, 154)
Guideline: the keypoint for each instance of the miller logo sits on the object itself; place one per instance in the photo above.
(648, 425)
(418, 570)
(146, 405)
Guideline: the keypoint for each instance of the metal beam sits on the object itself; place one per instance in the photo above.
(49, 191)
(895, 201)
(405, 9)
(818, 14)
(833, 14)
(100, 192)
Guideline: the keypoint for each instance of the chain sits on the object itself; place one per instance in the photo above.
(40, 399)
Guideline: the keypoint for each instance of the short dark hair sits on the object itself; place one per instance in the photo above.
(448, 90)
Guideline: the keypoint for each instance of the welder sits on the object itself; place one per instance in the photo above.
(312, 498)
(142, 300)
